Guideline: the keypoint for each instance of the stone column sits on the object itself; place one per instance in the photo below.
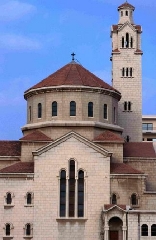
(124, 227)
(106, 228)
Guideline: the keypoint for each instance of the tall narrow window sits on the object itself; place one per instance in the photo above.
(81, 194)
(29, 198)
(129, 106)
(123, 72)
(7, 229)
(125, 106)
(131, 42)
(8, 198)
(90, 109)
(39, 110)
(114, 113)
(131, 72)
(72, 108)
(126, 13)
(105, 111)
(153, 230)
(54, 109)
(72, 189)
(123, 42)
(144, 230)
(127, 71)
(63, 194)
(134, 199)
(114, 199)
(127, 40)
(29, 113)
(121, 13)
(28, 229)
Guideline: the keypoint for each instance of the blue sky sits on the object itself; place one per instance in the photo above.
(38, 36)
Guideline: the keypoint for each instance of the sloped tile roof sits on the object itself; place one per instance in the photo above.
(116, 50)
(122, 168)
(137, 27)
(21, 167)
(139, 149)
(108, 136)
(72, 74)
(10, 148)
(36, 136)
(108, 206)
(125, 5)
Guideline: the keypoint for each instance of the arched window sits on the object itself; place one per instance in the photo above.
(72, 108)
(72, 188)
(123, 42)
(7, 229)
(134, 199)
(105, 109)
(125, 106)
(80, 193)
(144, 230)
(29, 198)
(127, 40)
(29, 113)
(72, 192)
(114, 115)
(131, 42)
(131, 72)
(153, 230)
(123, 72)
(39, 110)
(114, 199)
(54, 109)
(90, 109)
(129, 106)
(127, 71)
(126, 13)
(121, 13)
(28, 229)
(8, 198)
(63, 193)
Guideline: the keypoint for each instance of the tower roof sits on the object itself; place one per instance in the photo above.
(126, 5)
(72, 74)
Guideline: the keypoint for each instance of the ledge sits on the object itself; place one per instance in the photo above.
(27, 237)
(29, 205)
(9, 205)
(68, 123)
(7, 237)
(71, 219)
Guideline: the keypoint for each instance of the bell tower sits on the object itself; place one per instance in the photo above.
(127, 73)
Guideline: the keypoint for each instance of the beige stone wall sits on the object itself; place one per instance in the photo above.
(63, 99)
(147, 166)
(130, 87)
(27, 149)
(18, 215)
(116, 149)
(47, 167)
(124, 187)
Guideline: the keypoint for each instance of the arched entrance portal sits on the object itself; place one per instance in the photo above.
(115, 229)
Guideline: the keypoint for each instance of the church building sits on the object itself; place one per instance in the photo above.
(81, 170)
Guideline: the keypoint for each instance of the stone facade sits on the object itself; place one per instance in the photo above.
(73, 176)
(127, 73)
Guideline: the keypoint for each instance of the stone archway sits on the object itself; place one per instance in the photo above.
(115, 229)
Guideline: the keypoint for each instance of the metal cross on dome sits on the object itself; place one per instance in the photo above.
(73, 55)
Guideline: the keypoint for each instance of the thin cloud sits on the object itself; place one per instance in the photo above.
(13, 10)
(18, 42)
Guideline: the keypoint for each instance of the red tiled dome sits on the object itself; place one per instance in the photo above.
(72, 74)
